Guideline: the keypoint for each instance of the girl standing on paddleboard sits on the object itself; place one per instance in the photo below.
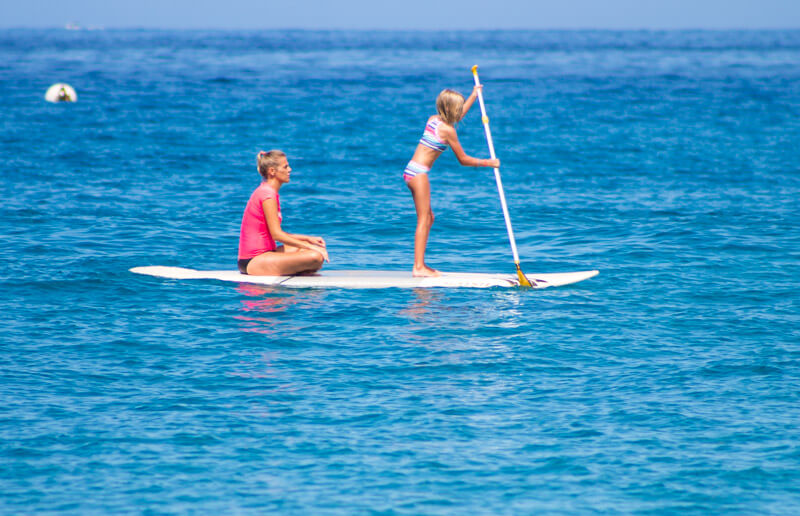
(259, 255)
(439, 132)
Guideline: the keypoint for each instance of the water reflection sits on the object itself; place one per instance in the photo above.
(464, 321)
(264, 311)
(509, 307)
(424, 302)
(277, 300)
(268, 383)
(434, 305)
(265, 370)
(264, 304)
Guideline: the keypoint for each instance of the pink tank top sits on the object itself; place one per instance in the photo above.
(254, 238)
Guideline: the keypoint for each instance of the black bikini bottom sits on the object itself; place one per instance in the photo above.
(243, 264)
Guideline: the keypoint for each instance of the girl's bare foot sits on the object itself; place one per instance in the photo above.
(425, 272)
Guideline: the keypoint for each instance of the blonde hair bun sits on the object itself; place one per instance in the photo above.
(267, 160)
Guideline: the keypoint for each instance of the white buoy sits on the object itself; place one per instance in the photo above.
(61, 92)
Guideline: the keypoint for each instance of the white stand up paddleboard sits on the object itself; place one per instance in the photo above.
(372, 279)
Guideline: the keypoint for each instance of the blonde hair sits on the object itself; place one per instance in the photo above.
(267, 160)
(450, 104)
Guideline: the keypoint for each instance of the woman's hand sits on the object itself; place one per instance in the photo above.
(476, 89)
(493, 163)
(315, 240)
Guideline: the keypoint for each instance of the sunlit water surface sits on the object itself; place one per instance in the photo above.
(670, 383)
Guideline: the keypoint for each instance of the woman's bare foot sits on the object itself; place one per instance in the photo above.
(425, 272)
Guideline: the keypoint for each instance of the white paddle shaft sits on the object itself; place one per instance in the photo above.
(496, 170)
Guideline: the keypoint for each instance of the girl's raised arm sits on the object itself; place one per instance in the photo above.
(470, 100)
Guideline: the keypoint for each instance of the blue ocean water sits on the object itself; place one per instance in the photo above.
(670, 383)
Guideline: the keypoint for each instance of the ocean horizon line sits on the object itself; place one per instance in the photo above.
(74, 26)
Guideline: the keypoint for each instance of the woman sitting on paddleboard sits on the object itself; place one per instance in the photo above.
(261, 227)
(439, 132)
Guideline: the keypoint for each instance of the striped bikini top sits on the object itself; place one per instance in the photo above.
(430, 138)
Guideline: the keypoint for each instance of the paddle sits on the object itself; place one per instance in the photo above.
(523, 280)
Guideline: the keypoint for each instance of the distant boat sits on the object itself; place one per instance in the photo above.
(72, 26)
(61, 92)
